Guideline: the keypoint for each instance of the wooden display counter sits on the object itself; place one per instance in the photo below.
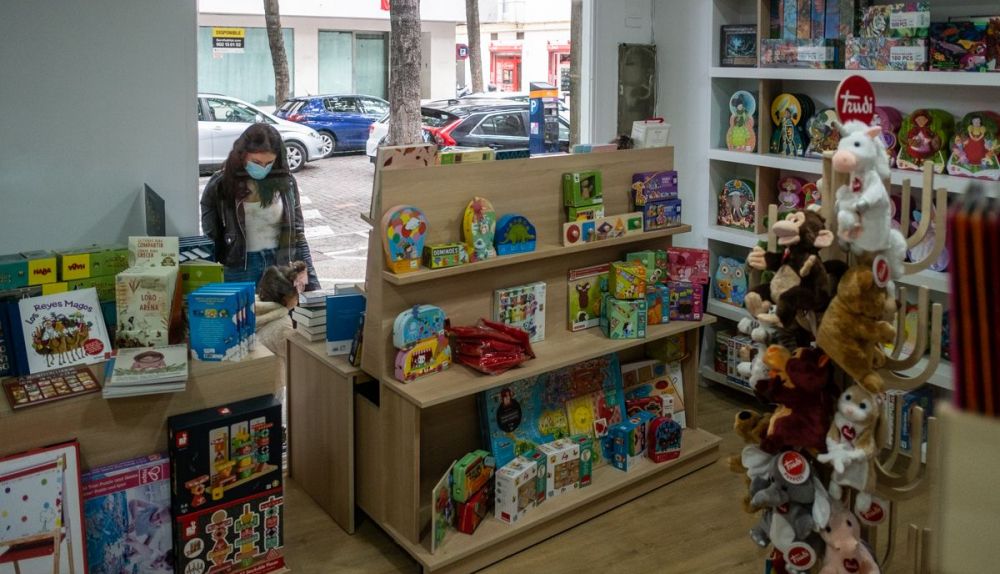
(113, 430)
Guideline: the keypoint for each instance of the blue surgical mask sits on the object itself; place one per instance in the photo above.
(258, 172)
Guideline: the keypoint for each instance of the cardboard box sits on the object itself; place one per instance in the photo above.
(105, 285)
(93, 261)
(909, 54)
(42, 267)
(582, 188)
(584, 296)
(13, 272)
(813, 53)
(563, 466)
(657, 215)
(198, 273)
(585, 212)
(470, 473)
(541, 474)
(515, 490)
(587, 456)
(685, 301)
(900, 20)
(623, 318)
(650, 186)
(627, 280)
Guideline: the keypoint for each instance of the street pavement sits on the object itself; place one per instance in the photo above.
(335, 191)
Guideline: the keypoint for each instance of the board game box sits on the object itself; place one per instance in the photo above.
(523, 307)
(584, 296)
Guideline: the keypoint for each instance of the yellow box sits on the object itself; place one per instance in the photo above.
(53, 288)
(41, 267)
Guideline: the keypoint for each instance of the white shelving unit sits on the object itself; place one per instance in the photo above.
(955, 92)
(725, 310)
(711, 374)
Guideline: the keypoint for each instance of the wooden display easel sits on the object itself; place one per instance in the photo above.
(412, 432)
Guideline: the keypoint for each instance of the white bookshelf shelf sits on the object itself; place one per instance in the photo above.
(956, 79)
(953, 184)
(936, 281)
(733, 236)
(725, 310)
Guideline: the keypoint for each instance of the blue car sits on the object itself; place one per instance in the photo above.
(341, 120)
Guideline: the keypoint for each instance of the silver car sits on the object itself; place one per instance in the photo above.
(221, 119)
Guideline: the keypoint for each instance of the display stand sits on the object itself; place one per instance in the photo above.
(113, 430)
(410, 433)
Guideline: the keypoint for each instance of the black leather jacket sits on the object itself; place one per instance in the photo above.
(224, 221)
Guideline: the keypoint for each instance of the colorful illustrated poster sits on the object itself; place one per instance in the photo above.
(63, 329)
(442, 510)
(40, 504)
(519, 416)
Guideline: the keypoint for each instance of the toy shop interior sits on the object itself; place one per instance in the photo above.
(741, 338)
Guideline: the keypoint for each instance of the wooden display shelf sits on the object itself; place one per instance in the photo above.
(542, 252)
(566, 348)
(956, 79)
(113, 430)
(610, 487)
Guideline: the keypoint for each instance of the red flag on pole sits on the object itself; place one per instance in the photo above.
(385, 5)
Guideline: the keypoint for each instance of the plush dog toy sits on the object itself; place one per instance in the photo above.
(850, 445)
(845, 553)
(802, 390)
(751, 427)
(852, 331)
(800, 284)
(864, 217)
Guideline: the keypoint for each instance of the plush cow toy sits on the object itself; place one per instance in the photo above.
(864, 212)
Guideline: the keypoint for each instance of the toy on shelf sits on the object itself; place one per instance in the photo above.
(738, 46)
(823, 133)
(515, 485)
(789, 113)
(900, 54)
(738, 204)
(664, 440)
(850, 445)
(584, 296)
(813, 195)
(813, 53)
(964, 46)
(585, 212)
(522, 307)
(852, 330)
(975, 146)
(657, 304)
(623, 318)
(863, 205)
(653, 186)
(515, 234)
(490, 347)
(889, 119)
(442, 255)
(730, 284)
(405, 232)
(419, 335)
(658, 215)
(845, 552)
(899, 20)
(924, 137)
(655, 262)
(687, 264)
(791, 195)
(600, 229)
(685, 300)
(582, 188)
(627, 280)
(802, 282)
(741, 135)
(563, 466)
(479, 229)
(470, 474)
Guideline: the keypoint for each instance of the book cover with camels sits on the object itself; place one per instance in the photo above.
(63, 329)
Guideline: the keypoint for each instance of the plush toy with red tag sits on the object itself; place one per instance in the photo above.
(845, 552)
(850, 445)
(802, 389)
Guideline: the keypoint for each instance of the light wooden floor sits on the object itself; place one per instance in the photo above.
(693, 525)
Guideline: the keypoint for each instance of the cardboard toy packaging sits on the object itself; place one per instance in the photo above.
(582, 188)
(470, 473)
(94, 261)
(885, 53)
(585, 212)
(515, 490)
(584, 296)
(685, 301)
(657, 304)
(623, 318)
(814, 53)
(664, 439)
(470, 513)
(653, 186)
(925, 136)
(627, 280)
(541, 463)
(42, 267)
(563, 466)
(226, 487)
(587, 456)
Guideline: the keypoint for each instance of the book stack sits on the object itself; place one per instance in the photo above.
(310, 317)
(148, 294)
(222, 321)
(135, 372)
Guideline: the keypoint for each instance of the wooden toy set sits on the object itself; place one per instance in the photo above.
(609, 227)
(226, 486)
(419, 335)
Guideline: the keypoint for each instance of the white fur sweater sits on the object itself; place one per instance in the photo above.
(273, 326)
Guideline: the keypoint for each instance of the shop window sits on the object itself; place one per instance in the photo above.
(248, 76)
(353, 63)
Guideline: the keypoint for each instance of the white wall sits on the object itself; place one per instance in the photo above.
(619, 22)
(683, 52)
(440, 10)
(441, 80)
(98, 99)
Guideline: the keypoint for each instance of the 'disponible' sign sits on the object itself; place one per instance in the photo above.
(228, 40)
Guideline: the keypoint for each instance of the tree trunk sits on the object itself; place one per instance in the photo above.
(575, 55)
(475, 47)
(279, 60)
(404, 74)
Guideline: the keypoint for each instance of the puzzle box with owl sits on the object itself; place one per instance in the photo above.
(519, 416)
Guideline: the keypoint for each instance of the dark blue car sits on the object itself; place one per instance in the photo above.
(341, 120)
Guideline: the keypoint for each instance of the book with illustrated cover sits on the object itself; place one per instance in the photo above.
(62, 330)
(127, 516)
(522, 307)
(153, 252)
(144, 297)
(147, 370)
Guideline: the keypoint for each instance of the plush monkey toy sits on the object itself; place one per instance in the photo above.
(801, 283)
(850, 445)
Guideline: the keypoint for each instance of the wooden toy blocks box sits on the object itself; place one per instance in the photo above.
(563, 466)
(582, 188)
(515, 489)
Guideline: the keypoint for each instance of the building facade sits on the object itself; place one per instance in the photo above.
(332, 47)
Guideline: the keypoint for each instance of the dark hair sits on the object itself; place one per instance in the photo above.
(277, 284)
(259, 137)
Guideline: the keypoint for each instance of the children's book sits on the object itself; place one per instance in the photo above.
(522, 307)
(521, 415)
(584, 296)
(442, 510)
(62, 330)
(144, 299)
(127, 516)
(153, 252)
(147, 371)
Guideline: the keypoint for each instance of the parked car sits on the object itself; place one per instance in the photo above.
(514, 96)
(221, 119)
(498, 124)
(341, 120)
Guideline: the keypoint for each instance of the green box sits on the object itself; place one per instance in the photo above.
(623, 318)
(541, 478)
(587, 456)
(585, 212)
(196, 274)
(93, 261)
(627, 280)
(582, 189)
(105, 285)
(13, 272)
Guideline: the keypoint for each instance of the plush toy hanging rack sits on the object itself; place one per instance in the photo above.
(902, 476)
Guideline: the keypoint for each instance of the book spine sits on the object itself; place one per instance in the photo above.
(777, 17)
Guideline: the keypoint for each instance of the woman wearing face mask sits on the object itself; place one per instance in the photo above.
(251, 209)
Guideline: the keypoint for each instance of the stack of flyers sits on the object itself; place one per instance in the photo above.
(222, 321)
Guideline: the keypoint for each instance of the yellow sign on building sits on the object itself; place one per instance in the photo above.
(228, 40)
